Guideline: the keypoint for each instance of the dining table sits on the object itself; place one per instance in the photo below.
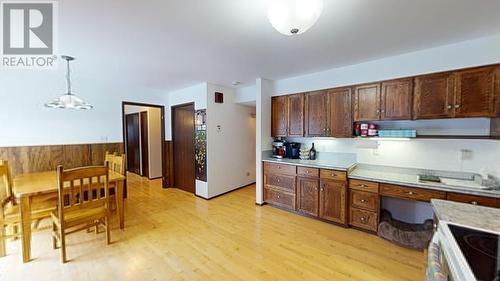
(37, 190)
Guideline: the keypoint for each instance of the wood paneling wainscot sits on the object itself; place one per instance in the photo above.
(31, 159)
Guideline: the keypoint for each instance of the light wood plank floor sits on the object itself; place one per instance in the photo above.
(172, 235)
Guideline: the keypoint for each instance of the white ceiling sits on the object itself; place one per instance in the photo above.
(167, 44)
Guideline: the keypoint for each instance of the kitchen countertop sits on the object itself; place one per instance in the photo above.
(459, 182)
(342, 163)
(467, 215)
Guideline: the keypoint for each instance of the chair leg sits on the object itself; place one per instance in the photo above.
(54, 233)
(97, 229)
(63, 245)
(2, 240)
(108, 236)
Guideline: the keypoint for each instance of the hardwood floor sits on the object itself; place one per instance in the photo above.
(172, 235)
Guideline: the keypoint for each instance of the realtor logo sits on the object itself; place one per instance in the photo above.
(28, 34)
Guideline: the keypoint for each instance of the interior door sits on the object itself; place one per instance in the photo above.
(279, 116)
(144, 144)
(316, 112)
(367, 102)
(296, 115)
(340, 112)
(133, 143)
(183, 147)
(396, 100)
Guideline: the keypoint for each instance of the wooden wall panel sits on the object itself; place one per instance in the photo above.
(31, 159)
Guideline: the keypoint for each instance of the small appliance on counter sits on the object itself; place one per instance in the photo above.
(292, 150)
(279, 149)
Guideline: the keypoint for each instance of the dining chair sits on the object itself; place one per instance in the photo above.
(116, 164)
(75, 211)
(10, 214)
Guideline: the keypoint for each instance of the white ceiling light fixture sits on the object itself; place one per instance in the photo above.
(293, 17)
(68, 100)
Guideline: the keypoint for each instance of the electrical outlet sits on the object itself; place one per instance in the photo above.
(466, 154)
(248, 174)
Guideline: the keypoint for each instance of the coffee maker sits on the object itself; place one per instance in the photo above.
(292, 150)
(279, 149)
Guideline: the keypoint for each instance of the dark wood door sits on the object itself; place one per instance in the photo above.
(296, 115)
(308, 195)
(434, 96)
(396, 100)
(475, 93)
(133, 143)
(183, 147)
(340, 113)
(279, 116)
(316, 114)
(332, 201)
(144, 144)
(367, 102)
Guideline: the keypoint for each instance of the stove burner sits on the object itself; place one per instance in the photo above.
(483, 243)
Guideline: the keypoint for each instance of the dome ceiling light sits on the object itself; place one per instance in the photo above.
(292, 17)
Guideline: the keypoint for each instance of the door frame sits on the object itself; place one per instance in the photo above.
(172, 108)
(162, 115)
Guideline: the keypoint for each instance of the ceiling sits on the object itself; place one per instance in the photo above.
(167, 44)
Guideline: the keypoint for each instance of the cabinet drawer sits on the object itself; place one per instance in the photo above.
(364, 200)
(279, 198)
(275, 168)
(410, 193)
(475, 200)
(333, 175)
(363, 219)
(308, 172)
(285, 182)
(367, 186)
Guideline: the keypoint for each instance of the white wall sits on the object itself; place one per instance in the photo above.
(263, 139)
(25, 120)
(230, 150)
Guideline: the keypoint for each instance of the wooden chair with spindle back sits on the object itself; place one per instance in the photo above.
(116, 164)
(80, 204)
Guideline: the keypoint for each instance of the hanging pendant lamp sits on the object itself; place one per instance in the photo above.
(293, 17)
(68, 100)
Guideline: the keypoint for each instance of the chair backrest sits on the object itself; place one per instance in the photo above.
(116, 162)
(82, 188)
(5, 183)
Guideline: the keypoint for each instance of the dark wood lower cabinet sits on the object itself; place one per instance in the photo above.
(308, 195)
(332, 201)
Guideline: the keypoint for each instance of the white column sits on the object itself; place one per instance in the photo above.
(263, 131)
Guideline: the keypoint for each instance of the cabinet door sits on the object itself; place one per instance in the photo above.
(296, 115)
(316, 114)
(332, 201)
(340, 113)
(308, 195)
(279, 116)
(367, 102)
(475, 93)
(433, 97)
(396, 100)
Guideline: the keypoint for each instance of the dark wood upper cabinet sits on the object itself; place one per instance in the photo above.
(396, 100)
(434, 96)
(316, 114)
(308, 195)
(296, 115)
(332, 201)
(279, 116)
(367, 102)
(340, 110)
(475, 93)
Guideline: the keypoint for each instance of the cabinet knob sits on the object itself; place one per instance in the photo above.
(322, 189)
(363, 185)
(363, 201)
(449, 107)
(457, 106)
(363, 219)
(307, 171)
(378, 110)
(278, 197)
(474, 202)
(410, 193)
(279, 167)
(334, 175)
(383, 111)
(278, 180)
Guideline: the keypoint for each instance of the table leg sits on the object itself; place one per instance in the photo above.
(2, 235)
(120, 203)
(26, 227)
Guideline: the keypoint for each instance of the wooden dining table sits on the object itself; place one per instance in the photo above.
(36, 190)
